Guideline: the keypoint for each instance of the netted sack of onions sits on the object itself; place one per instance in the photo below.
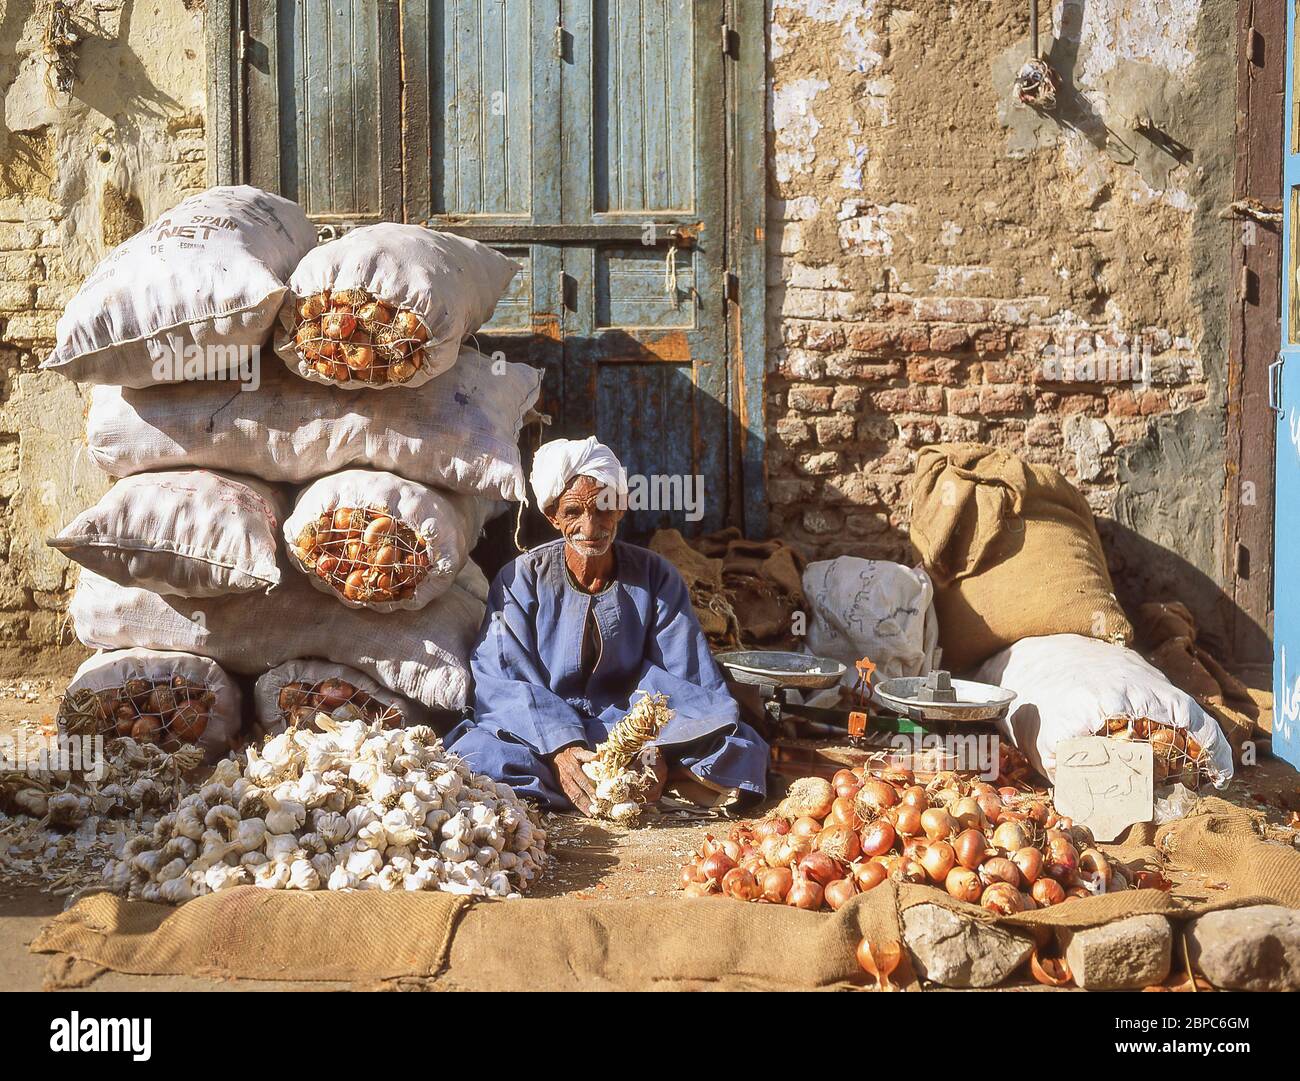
(293, 694)
(353, 807)
(1005, 849)
(154, 696)
(388, 305)
(375, 540)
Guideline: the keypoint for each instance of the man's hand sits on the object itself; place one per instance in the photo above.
(575, 784)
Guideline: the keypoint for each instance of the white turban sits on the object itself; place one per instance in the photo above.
(559, 461)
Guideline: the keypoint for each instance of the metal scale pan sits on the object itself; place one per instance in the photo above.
(940, 699)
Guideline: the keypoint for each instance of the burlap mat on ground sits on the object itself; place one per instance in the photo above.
(571, 944)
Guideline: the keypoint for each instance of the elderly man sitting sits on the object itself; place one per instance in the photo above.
(574, 629)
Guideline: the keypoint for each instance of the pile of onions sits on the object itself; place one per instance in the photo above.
(1002, 848)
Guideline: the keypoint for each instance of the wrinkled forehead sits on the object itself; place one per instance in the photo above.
(585, 491)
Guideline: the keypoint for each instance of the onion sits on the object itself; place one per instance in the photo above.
(1009, 837)
(715, 865)
(741, 885)
(969, 813)
(909, 870)
(805, 894)
(915, 796)
(1003, 898)
(868, 875)
(806, 827)
(732, 849)
(938, 824)
(908, 821)
(874, 797)
(839, 892)
(877, 838)
(773, 825)
(1029, 862)
(839, 842)
(820, 867)
(846, 783)
(982, 788)
(970, 848)
(842, 813)
(775, 883)
(1038, 812)
(810, 796)
(1047, 892)
(964, 885)
(690, 873)
(1000, 869)
(938, 859)
(1062, 859)
(991, 805)
(1008, 792)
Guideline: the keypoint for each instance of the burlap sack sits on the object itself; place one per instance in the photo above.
(459, 431)
(451, 282)
(1068, 686)
(269, 718)
(448, 523)
(668, 943)
(111, 670)
(209, 274)
(422, 655)
(190, 533)
(1012, 550)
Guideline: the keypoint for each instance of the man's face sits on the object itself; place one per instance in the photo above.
(585, 520)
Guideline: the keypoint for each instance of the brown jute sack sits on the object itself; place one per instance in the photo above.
(570, 943)
(1013, 552)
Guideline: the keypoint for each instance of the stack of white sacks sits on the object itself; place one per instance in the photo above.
(307, 518)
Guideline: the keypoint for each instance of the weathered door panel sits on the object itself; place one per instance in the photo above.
(1284, 392)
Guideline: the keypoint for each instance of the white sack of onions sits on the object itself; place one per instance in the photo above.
(421, 655)
(374, 540)
(388, 305)
(293, 693)
(211, 273)
(155, 697)
(190, 533)
(1068, 686)
(354, 807)
(459, 431)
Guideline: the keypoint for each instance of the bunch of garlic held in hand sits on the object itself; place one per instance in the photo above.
(352, 806)
(348, 335)
(622, 781)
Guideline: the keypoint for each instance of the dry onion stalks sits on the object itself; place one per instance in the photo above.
(170, 712)
(364, 554)
(621, 785)
(351, 336)
(354, 806)
(828, 841)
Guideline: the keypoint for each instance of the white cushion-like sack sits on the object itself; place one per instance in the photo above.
(190, 533)
(109, 672)
(448, 525)
(327, 691)
(459, 431)
(204, 281)
(871, 608)
(1068, 686)
(422, 655)
(451, 283)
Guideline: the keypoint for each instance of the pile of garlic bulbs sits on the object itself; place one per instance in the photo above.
(354, 806)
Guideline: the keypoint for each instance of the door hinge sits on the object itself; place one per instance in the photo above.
(1255, 47)
(244, 39)
(561, 41)
(733, 287)
(730, 42)
(1275, 384)
(568, 292)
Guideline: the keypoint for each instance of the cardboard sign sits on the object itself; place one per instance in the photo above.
(1104, 784)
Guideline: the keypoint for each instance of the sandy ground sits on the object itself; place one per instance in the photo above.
(592, 861)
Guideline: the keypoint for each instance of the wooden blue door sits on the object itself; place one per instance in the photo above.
(589, 140)
(1284, 395)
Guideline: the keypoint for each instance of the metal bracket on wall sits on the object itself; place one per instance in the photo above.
(1275, 385)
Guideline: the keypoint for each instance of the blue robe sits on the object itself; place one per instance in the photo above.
(532, 696)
